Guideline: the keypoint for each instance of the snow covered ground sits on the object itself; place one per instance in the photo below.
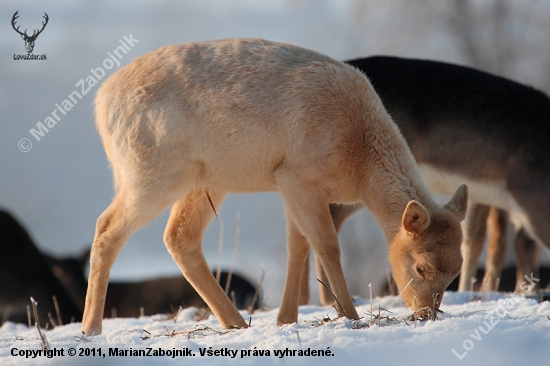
(506, 330)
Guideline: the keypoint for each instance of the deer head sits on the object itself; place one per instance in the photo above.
(425, 256)
(29, 40)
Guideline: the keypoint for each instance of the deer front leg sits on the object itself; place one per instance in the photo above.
(527, 253)
(474, 228)
(183, 238)
(496, 250)
(308, 211)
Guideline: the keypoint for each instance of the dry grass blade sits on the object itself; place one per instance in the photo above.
(404, 289)
(523, 317)
(334, 296)
(415, 309)
(434, 307)
(299, 340)
(370, 293)
(472, 281)
(81, 339)
(391, 285)
(29, 315)
(325, 320)
(51, 319)
(168, 333)
(264, 306)
(144, 337)
(472, 312)
(220, 246)
(5, 314)
(211, 204)
(380, 319)
(194, 333)
(250, 309)
(230, 273)
(45, 344)
(420, 314)
(57, 311)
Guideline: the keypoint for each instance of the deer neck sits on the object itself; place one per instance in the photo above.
(393, 181)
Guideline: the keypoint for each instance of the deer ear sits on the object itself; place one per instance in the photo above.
(458, 204)
(416, 218)
(23, 36)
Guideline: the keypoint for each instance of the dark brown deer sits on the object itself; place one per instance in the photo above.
(29, 40)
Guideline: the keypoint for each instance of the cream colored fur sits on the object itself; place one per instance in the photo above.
(245, 116)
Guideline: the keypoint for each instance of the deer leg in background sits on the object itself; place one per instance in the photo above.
(527, 253)
(298, 253)
(474, 229)
(497, 222)
(340, 214)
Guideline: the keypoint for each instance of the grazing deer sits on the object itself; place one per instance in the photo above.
(464, 125)
(186, 124)
(29, 40)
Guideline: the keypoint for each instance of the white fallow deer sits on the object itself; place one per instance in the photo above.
(186, 124)
(464, 125)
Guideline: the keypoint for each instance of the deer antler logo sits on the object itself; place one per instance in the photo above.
(29, 40)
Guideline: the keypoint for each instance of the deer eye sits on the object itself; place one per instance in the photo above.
(420, 269)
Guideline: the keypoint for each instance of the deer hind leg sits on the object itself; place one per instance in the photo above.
(123, 217)
(183, 238)
(496, 250)
(474, 228)
(527, 253)
(309, 213)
